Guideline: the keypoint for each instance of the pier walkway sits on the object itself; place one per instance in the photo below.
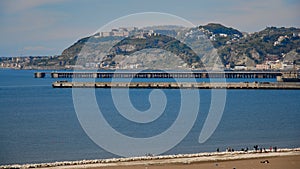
(174, 85)
(174, 74)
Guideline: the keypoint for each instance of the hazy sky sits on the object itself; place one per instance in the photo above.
(46, 27)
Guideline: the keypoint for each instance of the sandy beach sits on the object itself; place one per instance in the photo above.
(287, 162)
(283, 158)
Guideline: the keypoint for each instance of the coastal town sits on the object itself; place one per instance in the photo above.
(38, 62)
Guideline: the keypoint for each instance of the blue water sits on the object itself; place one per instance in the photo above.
(39, 123)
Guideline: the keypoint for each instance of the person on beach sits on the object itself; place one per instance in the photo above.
(255, 147)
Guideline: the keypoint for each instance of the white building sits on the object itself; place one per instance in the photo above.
(240, 67)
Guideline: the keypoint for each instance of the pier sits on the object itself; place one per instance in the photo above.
(174, 85)
(202, 74)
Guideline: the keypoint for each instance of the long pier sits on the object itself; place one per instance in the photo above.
(226, 74)
(174, 85)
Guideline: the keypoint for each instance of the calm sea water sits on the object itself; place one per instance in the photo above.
(39, 123)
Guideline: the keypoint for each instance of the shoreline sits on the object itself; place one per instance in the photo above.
(179, 159)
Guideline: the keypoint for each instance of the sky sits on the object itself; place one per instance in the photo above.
(47, 27)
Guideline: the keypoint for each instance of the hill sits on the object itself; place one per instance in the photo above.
(233, 46)
(149, 46)
(270, 44)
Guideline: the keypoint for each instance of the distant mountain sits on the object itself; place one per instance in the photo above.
(219, 34)
(216, 28)
(270, 44)
(233, 46)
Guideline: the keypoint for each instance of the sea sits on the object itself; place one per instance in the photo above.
(39, 123)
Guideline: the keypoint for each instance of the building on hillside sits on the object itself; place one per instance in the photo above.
(275, 65)
(262, 67)
(287, 66)
(105, 34)
(240, 67)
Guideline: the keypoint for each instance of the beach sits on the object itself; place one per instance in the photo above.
(283, 158)
(287, 162)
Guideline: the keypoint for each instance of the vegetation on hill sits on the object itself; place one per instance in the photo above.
(233, 46)
(159, 41)
(270, 44)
